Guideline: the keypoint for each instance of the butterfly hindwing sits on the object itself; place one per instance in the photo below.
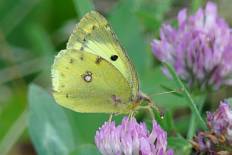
(85, 82)
(93, 34)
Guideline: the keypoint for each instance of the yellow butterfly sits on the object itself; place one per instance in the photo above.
(93, 73)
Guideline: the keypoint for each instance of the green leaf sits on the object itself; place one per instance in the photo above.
(169, 121)
(182, 124)
(85, 125)
(86, 149)
(83, 6)
(177, 92)
(48, 124)
(190, 100)
(180, 145)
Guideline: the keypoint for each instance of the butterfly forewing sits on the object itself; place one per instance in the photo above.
(83, 82)
(93, 34)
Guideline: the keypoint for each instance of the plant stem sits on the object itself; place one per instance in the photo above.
(193, 124)
(187, 95)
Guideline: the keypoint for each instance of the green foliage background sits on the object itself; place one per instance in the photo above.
(31, 34)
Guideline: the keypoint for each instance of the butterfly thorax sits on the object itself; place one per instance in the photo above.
(138, 99)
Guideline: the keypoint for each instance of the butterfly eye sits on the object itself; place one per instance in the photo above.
(114, 57)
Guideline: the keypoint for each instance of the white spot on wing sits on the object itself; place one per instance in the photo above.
(88, 78)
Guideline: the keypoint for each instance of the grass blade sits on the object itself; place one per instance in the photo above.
(21, 70)
(13, 134)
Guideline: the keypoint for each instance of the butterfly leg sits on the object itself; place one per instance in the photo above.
(151, 104)
(131, 114)
(111, 116)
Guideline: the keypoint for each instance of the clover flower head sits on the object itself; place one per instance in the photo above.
(131, 138)
(219, 137)
(200, 48)
(220, 121)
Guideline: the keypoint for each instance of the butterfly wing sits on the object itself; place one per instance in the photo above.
(85, 82)
(93, 34)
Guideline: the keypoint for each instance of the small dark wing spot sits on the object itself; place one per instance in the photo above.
(93, 27)
(82, 57)
(66, 95)
(116, 99)
(114, 57)
(98, 60)
(71, 61)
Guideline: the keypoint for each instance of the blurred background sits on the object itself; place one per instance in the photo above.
(31, 34)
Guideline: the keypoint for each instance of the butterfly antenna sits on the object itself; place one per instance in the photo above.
(179, 90)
